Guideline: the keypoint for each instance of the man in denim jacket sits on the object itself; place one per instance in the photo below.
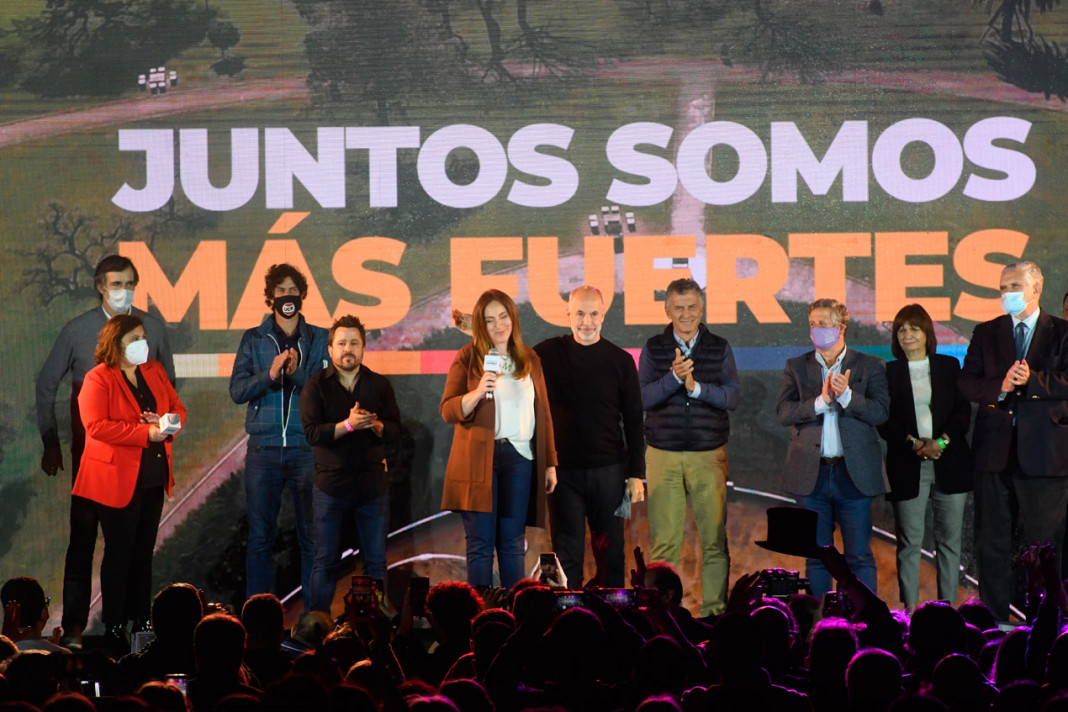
(272, 364)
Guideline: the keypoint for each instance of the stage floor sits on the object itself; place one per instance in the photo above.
(435, 548)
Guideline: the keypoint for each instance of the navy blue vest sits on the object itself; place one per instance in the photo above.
(683, 423)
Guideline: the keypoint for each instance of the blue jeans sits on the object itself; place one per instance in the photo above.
(371, 523)
(838, 501)
(268, 472)
(504, 528)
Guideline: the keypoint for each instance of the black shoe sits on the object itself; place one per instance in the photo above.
(115, 640)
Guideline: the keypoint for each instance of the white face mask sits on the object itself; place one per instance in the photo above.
(120, 300)
(137, 352)
(1013, 303)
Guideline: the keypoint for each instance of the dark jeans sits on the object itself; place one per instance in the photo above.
(587, 495)
(371, 524)
(1002, 499)
(78, 564)
(269, 471)
(126, 571)
(838, 501)
(503, 528)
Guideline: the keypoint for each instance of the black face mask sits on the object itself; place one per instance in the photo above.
(287, 307)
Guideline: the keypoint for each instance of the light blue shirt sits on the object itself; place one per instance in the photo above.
(831, 440)
(1029, 333)
(687, 347)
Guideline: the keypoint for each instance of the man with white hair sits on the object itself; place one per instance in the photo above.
(596, 406)
(1016, 369)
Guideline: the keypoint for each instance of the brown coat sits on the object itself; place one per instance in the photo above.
(469, 474)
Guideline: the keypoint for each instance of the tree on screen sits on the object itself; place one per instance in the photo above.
(1018, 55)
(373, 57)
(224, 36)
(777, 38)
(71, 241)
(377, 57)
(548, 51)
(100, 46)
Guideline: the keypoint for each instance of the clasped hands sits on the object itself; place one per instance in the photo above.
(835, 385)
(287, 361)
(929, 449)
(1017, 375)
(361, 419)
(683, 368)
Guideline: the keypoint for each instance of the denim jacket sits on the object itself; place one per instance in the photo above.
(251, 383)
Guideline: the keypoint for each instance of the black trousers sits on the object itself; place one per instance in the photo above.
(126, 571)
(78, 564)
(587, 495)
(1004, 500)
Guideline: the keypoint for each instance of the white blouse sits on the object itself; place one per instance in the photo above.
(513, 401)
(920, 375)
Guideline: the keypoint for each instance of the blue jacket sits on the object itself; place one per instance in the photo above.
(251, 383)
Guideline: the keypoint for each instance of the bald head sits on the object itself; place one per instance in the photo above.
(585, 311)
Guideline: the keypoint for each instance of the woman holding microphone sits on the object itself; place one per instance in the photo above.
(503, 461)
(927, 454)
(126, 467)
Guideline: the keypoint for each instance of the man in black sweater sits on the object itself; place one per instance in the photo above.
(596, 407)
(350, 416)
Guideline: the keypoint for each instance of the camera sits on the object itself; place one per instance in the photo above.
(619, 598)
(418, 588)
(548, 568)
(782, 583)
(568, 599)
(364, 597)
(837, 605)
(180, 681)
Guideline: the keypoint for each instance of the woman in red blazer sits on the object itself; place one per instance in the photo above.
(126, 466)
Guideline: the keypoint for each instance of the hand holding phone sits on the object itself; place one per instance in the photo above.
(418, 588)
(551, 573)
(362, 599)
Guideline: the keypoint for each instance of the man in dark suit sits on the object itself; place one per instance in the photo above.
(833, 398)
(1016, 369)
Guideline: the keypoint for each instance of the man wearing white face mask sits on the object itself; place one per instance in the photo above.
(115, 280)
(1016, 369)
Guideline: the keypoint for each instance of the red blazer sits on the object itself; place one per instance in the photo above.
(115, 435)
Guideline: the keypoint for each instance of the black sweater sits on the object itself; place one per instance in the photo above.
(351, 467)
(596, 404)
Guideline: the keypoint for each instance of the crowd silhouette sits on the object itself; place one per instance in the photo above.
(535, 647)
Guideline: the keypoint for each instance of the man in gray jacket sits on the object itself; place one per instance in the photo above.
(115, 280)
(833, 398)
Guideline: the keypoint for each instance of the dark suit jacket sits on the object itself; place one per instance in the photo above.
(1040, 406)
(802, 382)
(950, 414)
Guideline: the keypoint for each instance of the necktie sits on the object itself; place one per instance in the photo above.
(1021, 340)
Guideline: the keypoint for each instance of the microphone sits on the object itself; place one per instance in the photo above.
(491, 363)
